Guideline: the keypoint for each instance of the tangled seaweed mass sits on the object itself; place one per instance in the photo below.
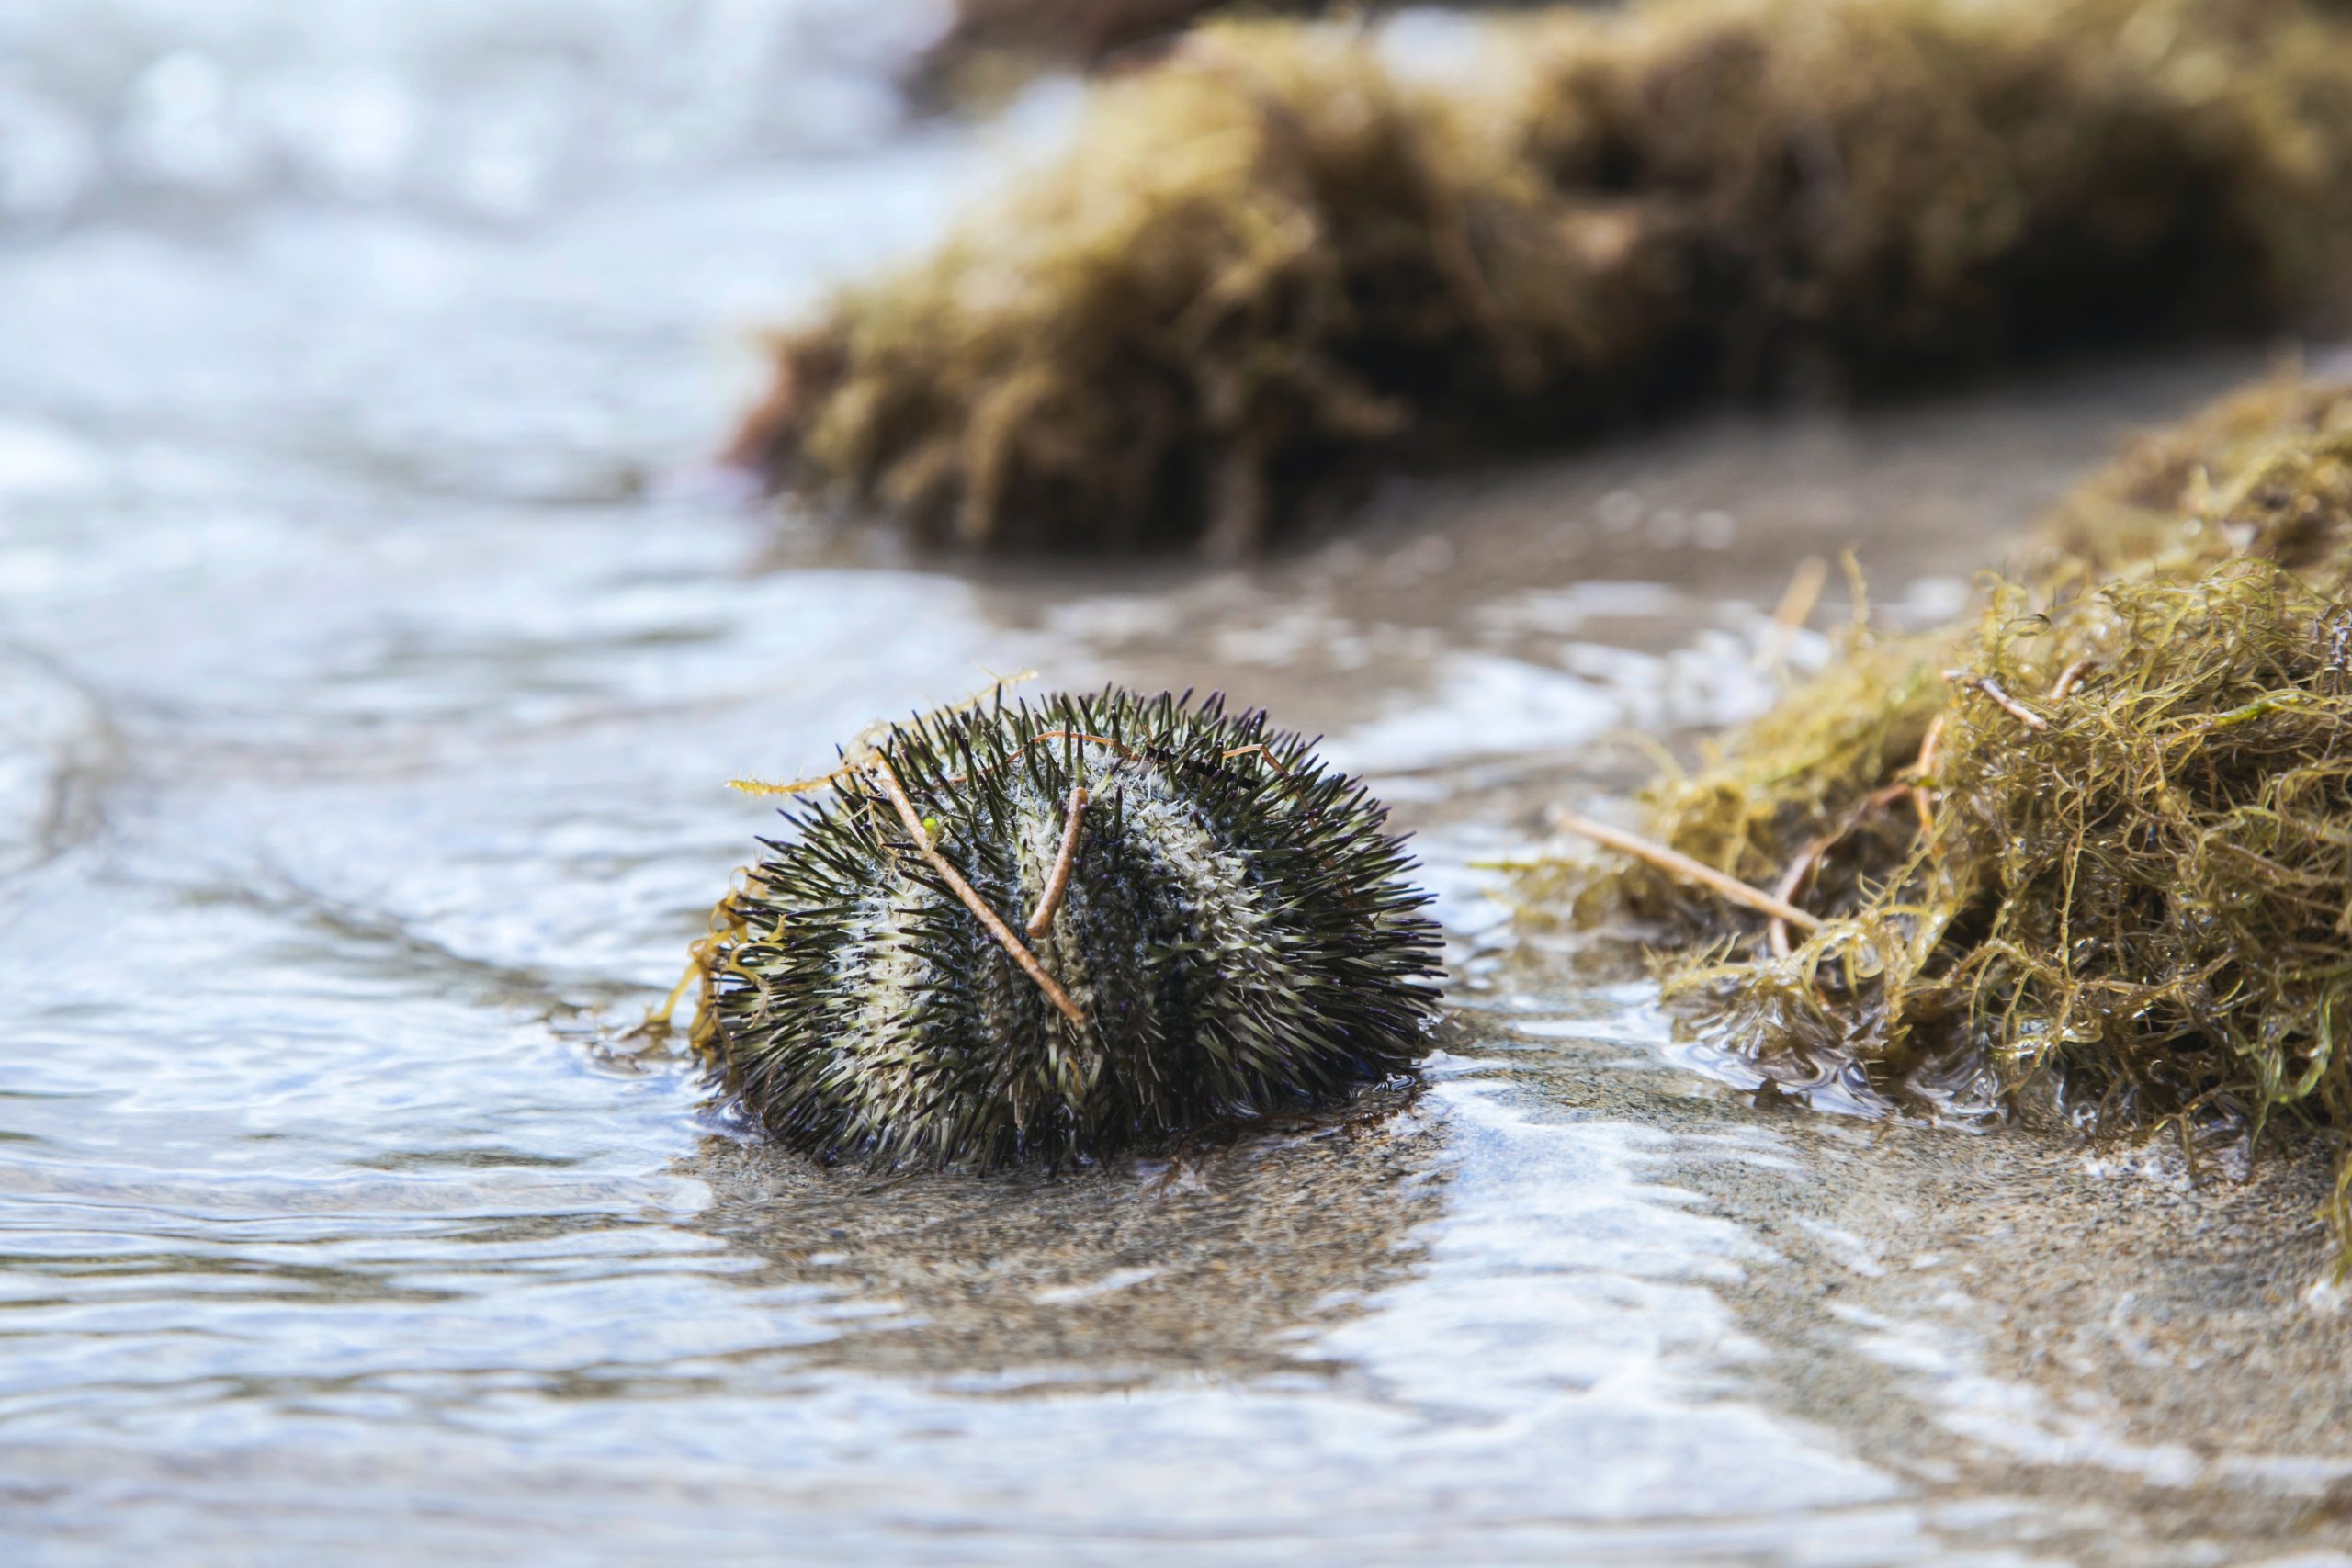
(1217, 928)
(1271, 262)
(2098, 844)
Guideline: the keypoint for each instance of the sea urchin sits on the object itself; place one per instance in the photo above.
(1052, 933)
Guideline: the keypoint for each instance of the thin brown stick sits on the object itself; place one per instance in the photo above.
(1675, 863)
(1797, 600)
(1777, 933)
(1808, 859)
(2070, 677)
(1059, 883)
(972, 900)
(1924, 764)
(1992, 692)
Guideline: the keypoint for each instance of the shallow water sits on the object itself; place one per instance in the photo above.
(373, 650)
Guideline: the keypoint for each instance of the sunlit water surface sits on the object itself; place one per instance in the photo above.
(374, 645)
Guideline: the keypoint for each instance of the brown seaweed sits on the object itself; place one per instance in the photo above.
(2100, 844)
(1271, 263)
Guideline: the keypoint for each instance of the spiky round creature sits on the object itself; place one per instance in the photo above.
(1053, 932)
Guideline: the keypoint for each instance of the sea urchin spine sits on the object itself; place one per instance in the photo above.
(1212, 925)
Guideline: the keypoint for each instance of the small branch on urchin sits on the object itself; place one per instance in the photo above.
(972, 900)
(1059, 883)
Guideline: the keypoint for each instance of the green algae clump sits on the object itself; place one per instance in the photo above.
(1217, 928)
(1271, 262)
(2098, 845)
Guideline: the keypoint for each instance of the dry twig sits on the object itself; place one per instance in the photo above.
(1777, 933)
(1059, 883)
(2070, 677)
(1923, 767)
(1994, 694)
(1675, 863)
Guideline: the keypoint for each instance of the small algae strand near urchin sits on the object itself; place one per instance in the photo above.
(1051, 932)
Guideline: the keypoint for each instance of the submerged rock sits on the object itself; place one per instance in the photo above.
(1054, 932)
(1271, 261)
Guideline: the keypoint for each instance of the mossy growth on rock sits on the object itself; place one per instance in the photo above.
(1272, 262)
(1053, 932)
(2099, 844)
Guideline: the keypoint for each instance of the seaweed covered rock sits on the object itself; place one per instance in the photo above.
(2131, 863)
(1270, 261)
(2101, 842)
(1264, 253)
(2266, 474)
(1216, 927)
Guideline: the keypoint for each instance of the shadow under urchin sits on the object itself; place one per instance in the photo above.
(1232, 934)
